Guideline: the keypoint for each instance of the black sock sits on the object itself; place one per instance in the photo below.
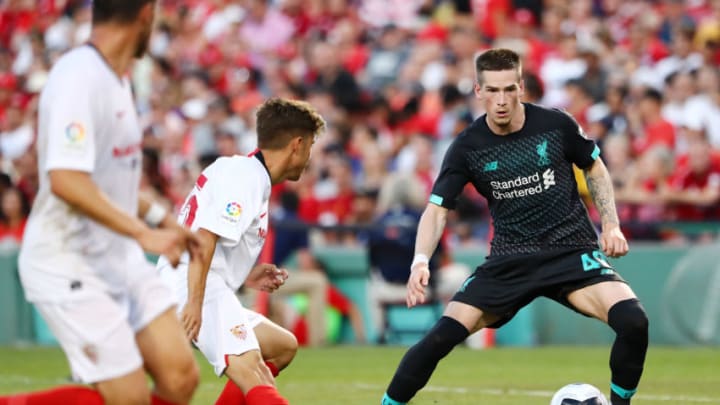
(629, 321)
(616, 399)
(419, 362)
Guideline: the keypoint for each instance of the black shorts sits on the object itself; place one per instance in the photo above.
(503, 285)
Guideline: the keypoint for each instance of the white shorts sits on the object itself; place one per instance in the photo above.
(98, 331)
(227, 327)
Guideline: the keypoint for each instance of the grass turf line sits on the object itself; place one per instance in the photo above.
(357, 375)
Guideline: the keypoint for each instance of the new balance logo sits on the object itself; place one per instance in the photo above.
(548, 178)
(491, 166)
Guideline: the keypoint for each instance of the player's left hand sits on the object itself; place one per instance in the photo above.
(266, 277)
(191, 319)
(613, 242)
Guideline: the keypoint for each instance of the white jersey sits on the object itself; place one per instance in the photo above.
(87, 122)
(230, 199)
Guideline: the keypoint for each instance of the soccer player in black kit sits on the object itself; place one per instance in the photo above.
(520, 157)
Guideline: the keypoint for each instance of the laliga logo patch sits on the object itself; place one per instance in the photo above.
(232, 211)
(74, 134)
(239, 331)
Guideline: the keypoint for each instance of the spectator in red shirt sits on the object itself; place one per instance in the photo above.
(7, 87)
(335, 204)
(648, 125)
(491, 16)
(695, 189)
(645, 183)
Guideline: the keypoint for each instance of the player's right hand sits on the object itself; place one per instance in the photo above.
(169, 242)
(191, 319)
(419, 278)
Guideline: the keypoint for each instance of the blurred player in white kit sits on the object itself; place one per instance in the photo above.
(82, 262)
(228, 209)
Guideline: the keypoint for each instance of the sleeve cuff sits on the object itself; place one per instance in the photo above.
(441, 201)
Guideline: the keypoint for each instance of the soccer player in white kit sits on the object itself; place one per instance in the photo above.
(228, 209)
(82, 262)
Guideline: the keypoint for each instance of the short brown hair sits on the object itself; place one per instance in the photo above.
(279, 120)
(497, 59)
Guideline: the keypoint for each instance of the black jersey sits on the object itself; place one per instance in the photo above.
(527, 177)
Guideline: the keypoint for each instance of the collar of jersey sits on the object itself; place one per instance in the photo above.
(105, 61)
(257, 154)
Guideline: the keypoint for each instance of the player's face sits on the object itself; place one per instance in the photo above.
(501, 92)
(146, 18)
(301, 157)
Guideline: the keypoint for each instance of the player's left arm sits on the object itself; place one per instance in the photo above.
(266, 277)
(612, 240)
(585, 154)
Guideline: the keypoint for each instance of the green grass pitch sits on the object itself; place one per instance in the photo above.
(358, 375)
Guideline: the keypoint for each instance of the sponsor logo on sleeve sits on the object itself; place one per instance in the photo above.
(232, 211)
(75, 134)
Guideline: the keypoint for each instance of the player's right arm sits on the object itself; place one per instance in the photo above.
(198, 268)
(77, 189)
(208, 209)
(448, 186)
(70, 135)
(430, 230)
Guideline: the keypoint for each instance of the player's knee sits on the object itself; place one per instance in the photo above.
(288, 350)
(628, 318)
(179, 383)
(186, 384)
(445, 335)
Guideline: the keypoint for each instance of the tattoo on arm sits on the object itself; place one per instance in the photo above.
(601, 190)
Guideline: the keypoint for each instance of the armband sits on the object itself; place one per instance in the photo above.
(419, 258)
(155, 214)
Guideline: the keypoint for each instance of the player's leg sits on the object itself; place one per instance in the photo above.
(614, 303)
(101, 350)
(250, 373)
(128, 389)
(227, 339)
(168, 359)
(108, 392)
(277, 347)
(164, 348)
(462, 316)
(69, 394)
(418, 364)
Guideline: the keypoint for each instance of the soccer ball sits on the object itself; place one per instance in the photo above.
(579, 394)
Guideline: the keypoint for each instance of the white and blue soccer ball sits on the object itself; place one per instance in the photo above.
(579, 394)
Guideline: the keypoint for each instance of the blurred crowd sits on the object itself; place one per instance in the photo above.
(394, 80)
